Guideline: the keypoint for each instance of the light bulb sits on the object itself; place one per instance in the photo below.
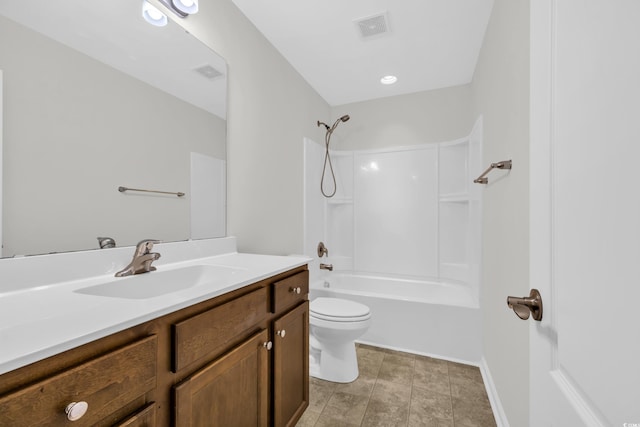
(152, 15)
(186, 6)
(388, 80)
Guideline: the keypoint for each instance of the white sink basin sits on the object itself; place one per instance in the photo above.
(161, 282)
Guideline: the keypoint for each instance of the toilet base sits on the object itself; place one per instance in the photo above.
(338, 365)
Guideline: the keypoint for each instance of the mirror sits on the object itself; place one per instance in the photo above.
(95, 98)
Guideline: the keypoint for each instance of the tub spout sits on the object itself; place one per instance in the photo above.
(326, 267)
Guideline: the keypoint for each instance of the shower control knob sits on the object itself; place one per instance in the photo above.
(282, 333)
(76, 410)
(268, 345)
(295, 290)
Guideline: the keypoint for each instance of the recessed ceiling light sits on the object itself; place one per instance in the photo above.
(388, 80)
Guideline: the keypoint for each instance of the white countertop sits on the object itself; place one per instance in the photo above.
(41, 321)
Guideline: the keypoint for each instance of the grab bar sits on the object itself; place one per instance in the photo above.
(505, 164)
(123, 189)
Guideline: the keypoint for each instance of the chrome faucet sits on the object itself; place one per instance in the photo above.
(326, 267)
(142, 259)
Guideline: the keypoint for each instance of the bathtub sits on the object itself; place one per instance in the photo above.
(430, 318)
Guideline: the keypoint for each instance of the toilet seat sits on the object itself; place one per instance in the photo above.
(338, 310)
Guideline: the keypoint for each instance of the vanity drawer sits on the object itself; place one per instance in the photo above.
(209, 334)
(107, 384)
(290, 291)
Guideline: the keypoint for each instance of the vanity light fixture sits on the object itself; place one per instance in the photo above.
(388, 80)
(182, 8)
(152, 15)
(185, 6)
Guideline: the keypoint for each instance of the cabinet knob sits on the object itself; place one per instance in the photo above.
(295, 290)
(76, 410)
(282, 333)
(268, 345)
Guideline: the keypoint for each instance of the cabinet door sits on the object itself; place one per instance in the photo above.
(232, 390)
(291, 366)
(144, 418)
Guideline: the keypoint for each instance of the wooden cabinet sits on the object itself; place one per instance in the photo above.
(146, 417)
(291, 366)
(240, 359)
(230, 391)
(202, 337)
(109, 383)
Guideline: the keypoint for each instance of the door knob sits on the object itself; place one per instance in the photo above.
(525, 306)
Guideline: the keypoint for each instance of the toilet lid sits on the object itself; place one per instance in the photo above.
(338, 309)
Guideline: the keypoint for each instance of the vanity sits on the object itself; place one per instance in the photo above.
(229, 348)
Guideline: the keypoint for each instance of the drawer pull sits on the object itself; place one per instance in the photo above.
(268, 345)
(76, 410)
(295, 290)
(282, 333)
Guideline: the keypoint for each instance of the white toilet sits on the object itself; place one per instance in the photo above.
(335, 324)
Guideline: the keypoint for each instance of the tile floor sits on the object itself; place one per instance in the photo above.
(401, 389)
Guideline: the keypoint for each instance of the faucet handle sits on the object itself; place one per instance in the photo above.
(106, 242)
(322, 250)
(144, 246)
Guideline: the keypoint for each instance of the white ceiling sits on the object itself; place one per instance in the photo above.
(114, 32)
(431, 43)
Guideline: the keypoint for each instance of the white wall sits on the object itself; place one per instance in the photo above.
(417, 118)
(501, 93)
(270, 110)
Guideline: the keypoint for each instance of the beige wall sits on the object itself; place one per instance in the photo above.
(270, 109)
(418, 118)
(74, 131)
(501, 93)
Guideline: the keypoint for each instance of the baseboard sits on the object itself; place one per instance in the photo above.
(492, 393)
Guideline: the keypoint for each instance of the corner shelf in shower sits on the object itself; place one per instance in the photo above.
(454, 198)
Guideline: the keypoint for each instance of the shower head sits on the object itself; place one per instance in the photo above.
(337, 122)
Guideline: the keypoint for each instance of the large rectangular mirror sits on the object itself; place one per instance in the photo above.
(95, 98)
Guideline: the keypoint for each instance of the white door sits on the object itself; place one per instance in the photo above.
(1, 133)
(585, 212)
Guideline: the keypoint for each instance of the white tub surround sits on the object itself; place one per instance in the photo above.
(45, 307)
(404, 238)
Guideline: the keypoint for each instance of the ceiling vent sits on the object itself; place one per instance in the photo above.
(209, 72)
(373, 25)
